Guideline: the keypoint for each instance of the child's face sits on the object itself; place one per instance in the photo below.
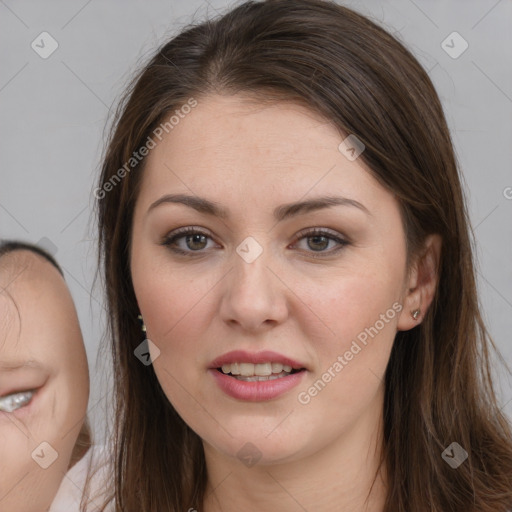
(41, 350)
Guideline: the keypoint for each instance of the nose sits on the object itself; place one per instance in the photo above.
(254, 295)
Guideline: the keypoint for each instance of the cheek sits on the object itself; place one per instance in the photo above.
(358, 310)
(61, 405)
(360, 314)
(59, 415)
(177, 311)
(178, 320)
(349, 306)
(174, 300)
(31, 472)
(71, 388)
(14, 453)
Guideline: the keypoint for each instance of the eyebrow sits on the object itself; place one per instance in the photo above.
(281, 213)
(31, 363)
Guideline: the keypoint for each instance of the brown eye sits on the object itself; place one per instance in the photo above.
(318, 241)
(194, 241)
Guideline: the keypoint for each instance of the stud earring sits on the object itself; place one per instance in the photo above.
(415, 313)
(143, 324)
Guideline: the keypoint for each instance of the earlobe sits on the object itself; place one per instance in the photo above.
(422, 284)
(143, 325)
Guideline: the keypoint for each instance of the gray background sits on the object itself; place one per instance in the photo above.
(53, 113)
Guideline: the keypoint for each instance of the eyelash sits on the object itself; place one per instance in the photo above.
(169, 240)
(5, 399)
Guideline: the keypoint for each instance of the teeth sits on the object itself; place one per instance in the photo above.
(246, 369)
(277, 367)
(259, 378)
(263, 369)
(227, 368)
(256, 370)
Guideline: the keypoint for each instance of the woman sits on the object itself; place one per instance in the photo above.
(280, 203)
(44, 380)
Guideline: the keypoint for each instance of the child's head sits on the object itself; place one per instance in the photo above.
(44, 379)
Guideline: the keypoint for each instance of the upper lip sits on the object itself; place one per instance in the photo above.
(266, 356)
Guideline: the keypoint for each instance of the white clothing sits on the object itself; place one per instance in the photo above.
(70, 492)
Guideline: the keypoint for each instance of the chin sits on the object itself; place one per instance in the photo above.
(253, 446)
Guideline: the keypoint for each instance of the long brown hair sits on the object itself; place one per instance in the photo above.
(438, 383)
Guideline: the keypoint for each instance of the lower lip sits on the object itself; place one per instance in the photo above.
(258, 391)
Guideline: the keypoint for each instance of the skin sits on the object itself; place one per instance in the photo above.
(251, 158)
(48, 333)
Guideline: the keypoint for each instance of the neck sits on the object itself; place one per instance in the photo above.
(338, 477)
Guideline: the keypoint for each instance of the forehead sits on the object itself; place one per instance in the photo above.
(227, 125)
(275, 152)
(23, 271)
(34, 303)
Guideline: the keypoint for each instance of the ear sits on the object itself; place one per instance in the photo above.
(421, 284)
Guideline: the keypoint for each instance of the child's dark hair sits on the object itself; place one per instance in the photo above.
(8, 246)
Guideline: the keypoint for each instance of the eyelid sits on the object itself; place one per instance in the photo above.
(187, 230)
(320, 231)
(15, 401)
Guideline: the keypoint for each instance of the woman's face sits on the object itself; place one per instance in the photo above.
(254, 281)
(41, 350)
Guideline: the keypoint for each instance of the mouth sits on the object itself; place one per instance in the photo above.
(255, 377)
(260, 372)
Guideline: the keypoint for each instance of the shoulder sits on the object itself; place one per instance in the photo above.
(95, 464)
